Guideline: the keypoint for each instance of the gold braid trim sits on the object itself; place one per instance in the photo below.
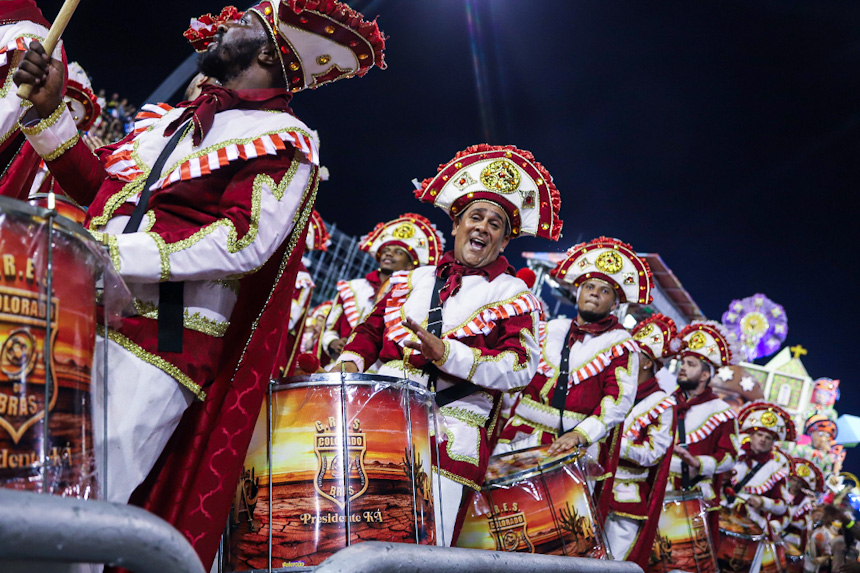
(55, 154)
(156, 361)
(467, 416)
(192, 321)
(453, 477)
(46, 122)
(300, 219)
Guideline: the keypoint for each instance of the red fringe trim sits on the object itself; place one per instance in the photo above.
(342, 13)
(554, 195)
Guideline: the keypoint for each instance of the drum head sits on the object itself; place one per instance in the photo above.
(523, 464)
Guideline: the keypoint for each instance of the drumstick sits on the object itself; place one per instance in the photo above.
(57, 29)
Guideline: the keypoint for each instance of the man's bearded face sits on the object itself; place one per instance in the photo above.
(233, 48)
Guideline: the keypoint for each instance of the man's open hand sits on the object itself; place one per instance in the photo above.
(427, 344)
(567, 443)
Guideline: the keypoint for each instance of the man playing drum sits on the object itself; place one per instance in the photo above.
(479, 341)
(212, 258)
(317, 239)
(586, 379)
(646, 448)
(21, 22)
(704, 447)
(397, 247)
(805, 484)
(758, 486)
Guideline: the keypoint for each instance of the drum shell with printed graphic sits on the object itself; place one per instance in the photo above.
(534, 504)
(390, 491)
(69, 470)
(683, 539)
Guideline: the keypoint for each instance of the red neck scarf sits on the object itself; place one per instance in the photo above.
(647, 388)
(453, 272)
(21, 10)
(216, 98)
(579, 331)
(685, 404)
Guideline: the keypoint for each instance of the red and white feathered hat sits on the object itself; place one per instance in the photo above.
(201, 30)
(321, 41)
(611, 261)
(413, 233)
(318, 238)
(710, 341)
(505, 176)
(809, 473)
(657, 337)
(80, 98)
(767, 417)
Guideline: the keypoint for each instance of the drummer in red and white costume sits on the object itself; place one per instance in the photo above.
(223, 230)
(403, 244)
(765, 491)
(646, 448)
(588, 405)
(486, 344)
(704, 447)
(21, 22)
(805, 484)
(317, 239)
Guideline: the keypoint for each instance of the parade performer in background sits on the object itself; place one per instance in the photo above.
(312, 336)
(758, 486)
(317, 239)
(21, 22)
(822, 432)
(480, 338)
(646, 448)
(805, 484)
(586, 381)
(704, 447)
(212, 256)
(395, 250)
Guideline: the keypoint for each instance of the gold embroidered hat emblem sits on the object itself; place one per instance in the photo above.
(609, 262)
(697, 341)
(501, 176)
(404, 231)
(768, 419)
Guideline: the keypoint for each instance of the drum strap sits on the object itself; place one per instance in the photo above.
(682, 439)
(559, 397)
(171, 304)
(740, 485)
(434, 326)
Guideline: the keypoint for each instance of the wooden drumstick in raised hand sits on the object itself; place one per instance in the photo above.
(57, 29)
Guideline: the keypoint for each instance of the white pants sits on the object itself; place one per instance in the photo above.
(446, 505)
(621, 534)
(144, 406)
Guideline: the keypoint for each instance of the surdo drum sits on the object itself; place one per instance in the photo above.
(534, 503)
(335, 459)
(683, 540)
(46, 351)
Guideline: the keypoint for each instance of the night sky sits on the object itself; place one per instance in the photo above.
(724, 135)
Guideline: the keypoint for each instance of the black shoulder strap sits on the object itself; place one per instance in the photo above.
(682, 439)
(559, 397)
(171, 305)
(434, 326)
(740, 485)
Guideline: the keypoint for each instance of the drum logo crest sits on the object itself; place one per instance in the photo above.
(23, 327)
(509, 527)
(338, 478)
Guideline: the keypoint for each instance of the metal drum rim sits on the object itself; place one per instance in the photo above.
(745, 536)
(537, 470)
(677, 495)
(350, 379)
(61, 223)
